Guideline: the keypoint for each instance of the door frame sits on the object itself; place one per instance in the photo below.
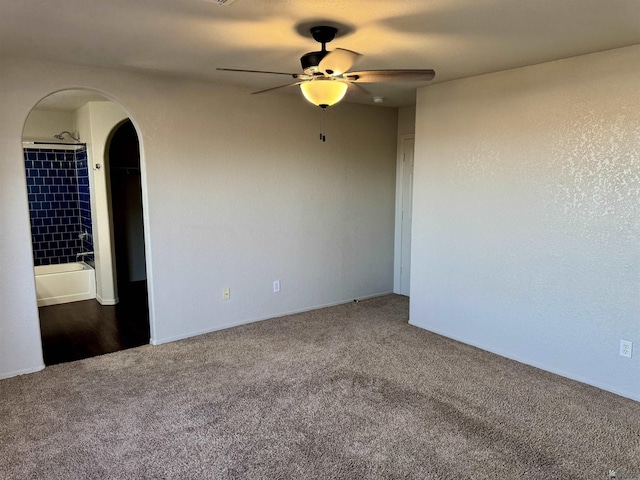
(397, 249)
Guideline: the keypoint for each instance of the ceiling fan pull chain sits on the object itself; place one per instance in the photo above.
(322, 137)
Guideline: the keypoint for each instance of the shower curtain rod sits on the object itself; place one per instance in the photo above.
(54, 146)
(55, 143)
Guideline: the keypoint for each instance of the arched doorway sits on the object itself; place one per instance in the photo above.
(125, 192)
(65, 142)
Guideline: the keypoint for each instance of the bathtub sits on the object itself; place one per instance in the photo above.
(67, 282)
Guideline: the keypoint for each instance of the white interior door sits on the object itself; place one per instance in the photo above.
(405, 229)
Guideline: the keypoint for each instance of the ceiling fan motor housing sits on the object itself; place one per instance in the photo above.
(322, 34)
(311, 60)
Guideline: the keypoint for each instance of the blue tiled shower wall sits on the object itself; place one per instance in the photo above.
(59, 204)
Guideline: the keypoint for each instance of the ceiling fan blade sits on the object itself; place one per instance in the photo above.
(276, 88)
(379, 76)
(338, 61)
(294, 75)
(358, 91)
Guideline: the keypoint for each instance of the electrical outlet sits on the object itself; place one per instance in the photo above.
(626, 348)
(276, 286)
(226, 294)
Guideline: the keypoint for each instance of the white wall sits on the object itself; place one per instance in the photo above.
(526, 226)
(406, 120)
(96, 121)
(238, 192)
(42, 125)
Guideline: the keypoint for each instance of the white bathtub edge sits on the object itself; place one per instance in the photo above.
(45, 302)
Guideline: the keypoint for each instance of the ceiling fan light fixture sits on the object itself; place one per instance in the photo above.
(324, 92)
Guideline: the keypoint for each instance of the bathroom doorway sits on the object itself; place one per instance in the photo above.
(66, 141)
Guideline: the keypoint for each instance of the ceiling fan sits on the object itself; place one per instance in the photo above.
(326, 76)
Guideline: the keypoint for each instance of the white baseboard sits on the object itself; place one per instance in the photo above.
(23, 371)
(540, 365)
(154, 341)
(107, 301)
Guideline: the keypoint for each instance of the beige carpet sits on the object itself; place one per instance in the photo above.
(345, 392)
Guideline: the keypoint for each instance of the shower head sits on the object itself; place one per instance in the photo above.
(60, 136)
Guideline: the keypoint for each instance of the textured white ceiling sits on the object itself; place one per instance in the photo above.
(457, 38)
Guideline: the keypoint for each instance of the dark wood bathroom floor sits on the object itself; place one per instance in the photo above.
(77, 330)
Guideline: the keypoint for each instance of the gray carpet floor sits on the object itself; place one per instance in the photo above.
(350, 392)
